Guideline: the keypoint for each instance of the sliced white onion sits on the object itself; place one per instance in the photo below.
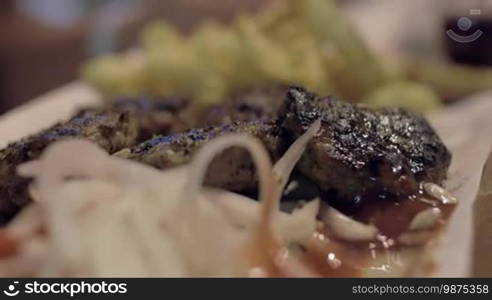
(243, 212)
(346, 228)
(300, 224)
(425, 219)
(284, 166)
(439, 193)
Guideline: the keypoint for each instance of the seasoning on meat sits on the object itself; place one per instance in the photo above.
(111, 130)
(121, 124)
(233, 170)
(362, 153)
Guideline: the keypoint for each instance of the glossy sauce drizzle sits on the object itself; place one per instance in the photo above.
(333, 257)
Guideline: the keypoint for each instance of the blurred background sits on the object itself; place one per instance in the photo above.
(43, 44)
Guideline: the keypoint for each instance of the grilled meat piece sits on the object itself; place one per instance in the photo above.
(112, 130)
(362, 153)
(155, 116)
(359, 154)
(252, 105)
(232, 170)
(121, 124)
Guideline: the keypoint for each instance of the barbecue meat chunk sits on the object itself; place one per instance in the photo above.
(120, 124)
(232, 170)
(111, 130)
(154, 116)
(362, 153)
(258, 104)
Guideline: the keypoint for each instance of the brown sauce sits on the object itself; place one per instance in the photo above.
(394, 218)
(8, 245)
(332, 257)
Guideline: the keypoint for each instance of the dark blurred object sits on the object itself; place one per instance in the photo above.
(34, 58)
(468, 39)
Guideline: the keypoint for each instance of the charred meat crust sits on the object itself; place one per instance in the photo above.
(121, 124)
(233, 169)
(111, 130)
(155, 116)
(363, 152)
(259, 104)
